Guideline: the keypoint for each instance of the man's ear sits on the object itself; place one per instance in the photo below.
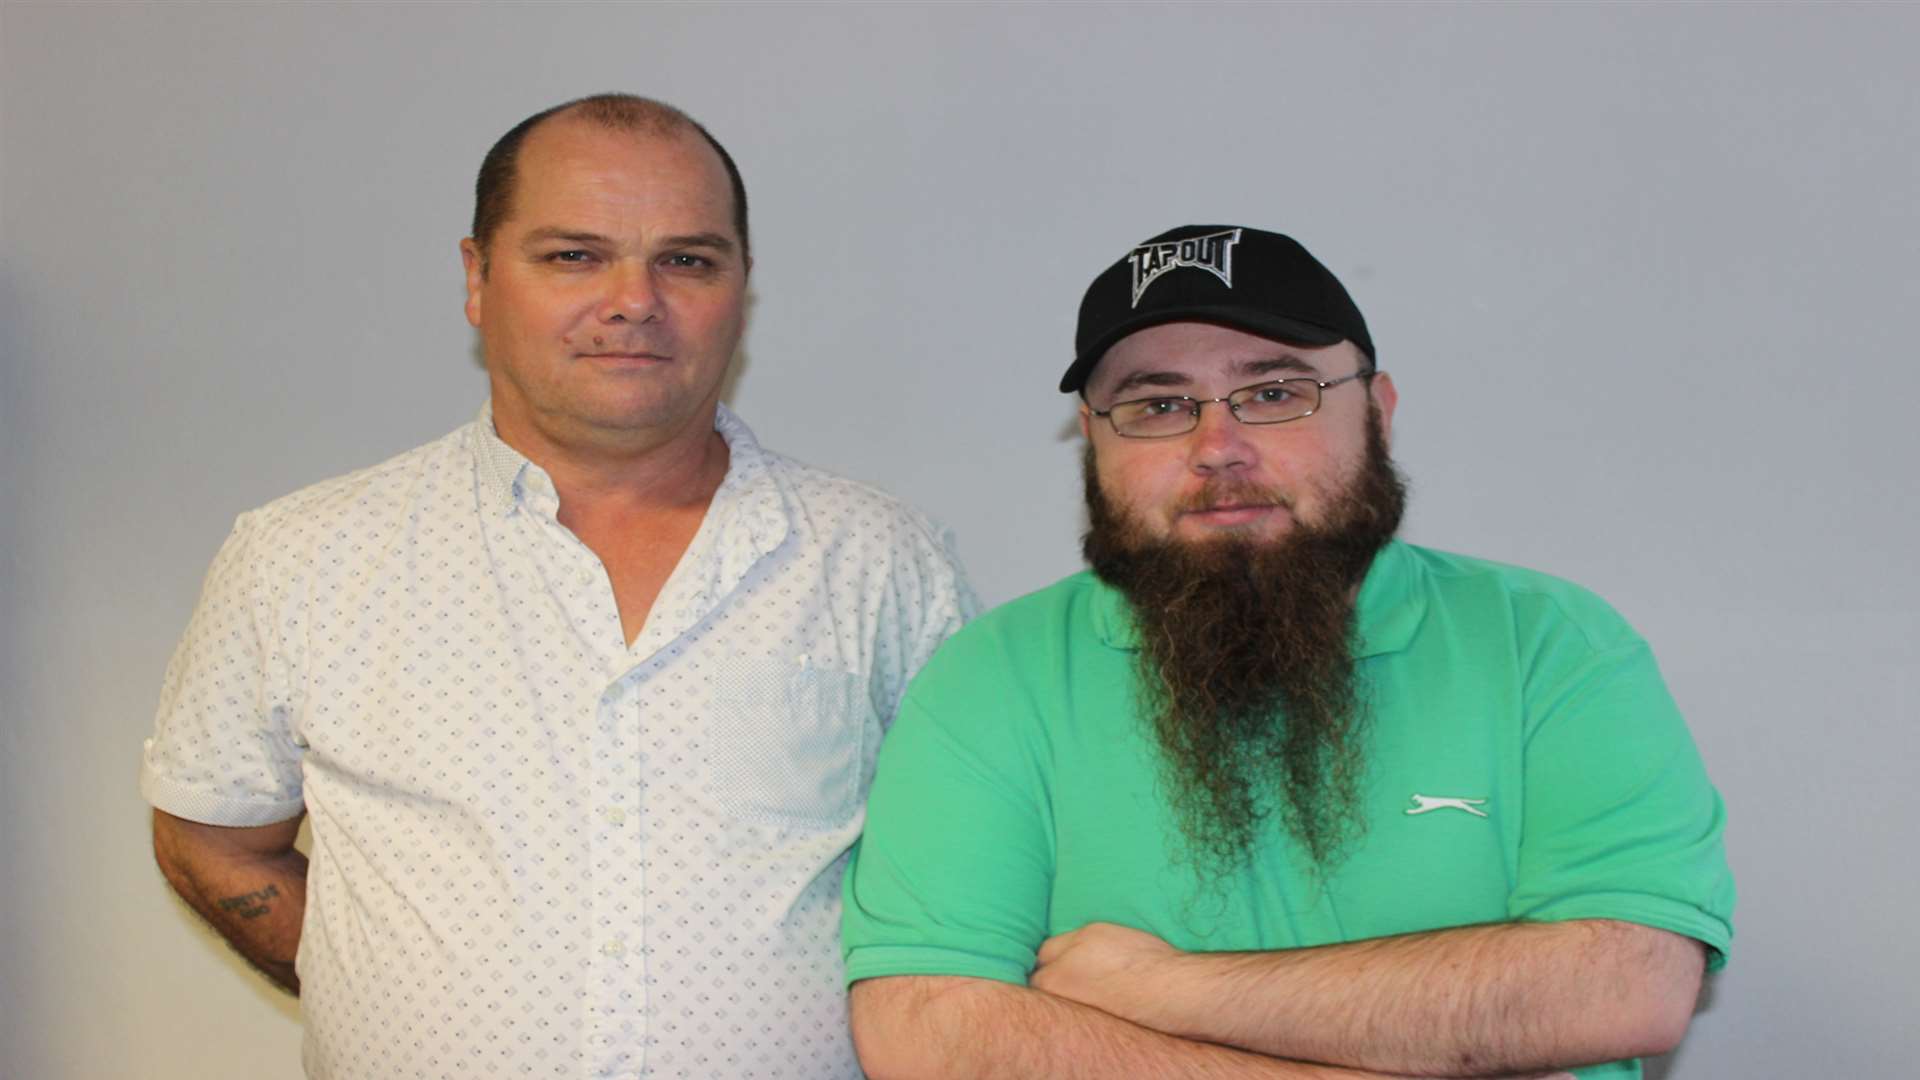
(1086, 422)
(476, 264)
(1386, 397)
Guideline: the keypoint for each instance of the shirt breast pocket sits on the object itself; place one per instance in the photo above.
(789, 744)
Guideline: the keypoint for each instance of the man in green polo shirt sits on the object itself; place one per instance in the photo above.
(1267, 792)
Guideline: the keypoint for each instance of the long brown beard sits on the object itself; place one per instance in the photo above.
(1246, 663)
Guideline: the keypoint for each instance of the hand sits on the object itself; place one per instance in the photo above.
(1116, 969)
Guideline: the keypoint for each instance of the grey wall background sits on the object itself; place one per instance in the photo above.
(1646, 277)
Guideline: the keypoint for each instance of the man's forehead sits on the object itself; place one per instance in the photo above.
(564, 155)
(566, 143)
(1197, 350)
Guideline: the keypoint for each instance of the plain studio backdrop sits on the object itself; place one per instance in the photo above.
(1646, 276)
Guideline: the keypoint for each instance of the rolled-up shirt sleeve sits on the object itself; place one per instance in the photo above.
(223, 751)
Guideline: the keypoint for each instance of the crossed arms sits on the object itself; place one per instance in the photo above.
(1512, 999)
(1508, 999)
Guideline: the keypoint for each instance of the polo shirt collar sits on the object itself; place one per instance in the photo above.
(1392, 603)
(1392, 606)
(1112, 618)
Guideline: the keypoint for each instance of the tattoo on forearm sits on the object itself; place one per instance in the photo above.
(249, 905)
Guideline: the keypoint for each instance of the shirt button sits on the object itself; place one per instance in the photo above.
(614, 949)
(614, 815)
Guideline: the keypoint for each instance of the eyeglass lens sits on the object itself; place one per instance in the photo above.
(1267, 403)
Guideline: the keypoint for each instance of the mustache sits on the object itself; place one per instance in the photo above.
(1232, 492)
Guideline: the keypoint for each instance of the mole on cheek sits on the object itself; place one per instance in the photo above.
(566, 339)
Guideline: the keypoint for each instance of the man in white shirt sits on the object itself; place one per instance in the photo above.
(580, 701)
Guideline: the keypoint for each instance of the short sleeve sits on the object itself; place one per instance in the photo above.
(954, 870)
(1621, 820)
(930, 599)
(948, 599)
(221, 751)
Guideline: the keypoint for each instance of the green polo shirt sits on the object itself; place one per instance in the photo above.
(1525, 761)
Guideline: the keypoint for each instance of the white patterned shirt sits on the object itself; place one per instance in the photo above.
(537, 851)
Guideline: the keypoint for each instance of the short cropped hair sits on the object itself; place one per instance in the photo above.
(500, 171)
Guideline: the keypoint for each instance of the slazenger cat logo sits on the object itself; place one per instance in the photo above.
(1427, 804)
(1212, 253)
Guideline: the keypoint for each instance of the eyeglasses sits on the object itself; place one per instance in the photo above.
(1274, 402)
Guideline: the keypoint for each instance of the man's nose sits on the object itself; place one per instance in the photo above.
(1219, 442)
(632, 294)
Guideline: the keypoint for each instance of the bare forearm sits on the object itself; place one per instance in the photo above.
(921, 1027)
(253, 898)
(1472, 1001)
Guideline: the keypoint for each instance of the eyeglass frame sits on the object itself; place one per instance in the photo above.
(1199, 404)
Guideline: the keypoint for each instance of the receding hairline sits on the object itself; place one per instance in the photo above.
(621, 112)
(671, 125)
(640, 117)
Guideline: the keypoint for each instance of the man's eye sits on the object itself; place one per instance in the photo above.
(1162, 406)
(1273, 395)
(571, 255)
(691, 262)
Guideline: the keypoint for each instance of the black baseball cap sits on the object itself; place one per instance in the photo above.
(1248, 279)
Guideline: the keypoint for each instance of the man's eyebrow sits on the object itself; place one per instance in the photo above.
(548, 233)
(1282, 362)
(716, 241)
(1150, 377)
(555, 232)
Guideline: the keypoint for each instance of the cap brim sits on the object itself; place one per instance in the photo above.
(1290, 331)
